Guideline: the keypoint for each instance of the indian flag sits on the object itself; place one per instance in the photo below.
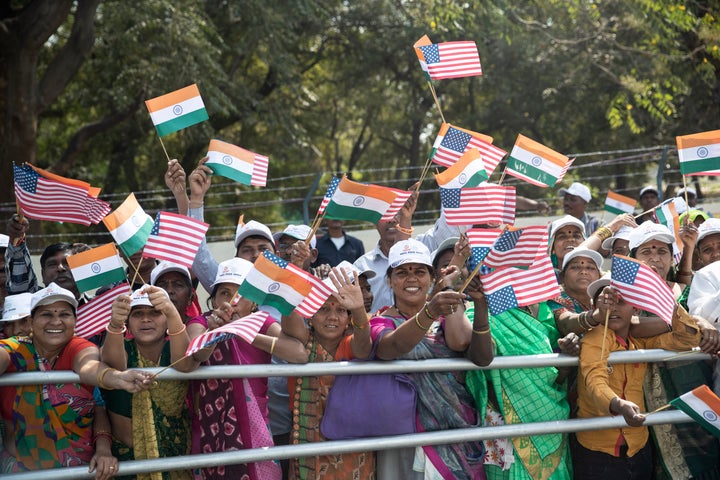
(703, 406)
(535, 163)
(468, 171)
(667, 214)
(176, 110)
(277, 283)
(129, 225)
(96, 267)
(699, 153)
(619, 204)
(358, 201)
(237, 164)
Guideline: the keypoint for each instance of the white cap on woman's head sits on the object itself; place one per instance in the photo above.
(16, 307)
(598, 284)
(252, 229)
(567, 220)
(350, 268)
(622, 234)
(577, 189)
(583, 252)
(409, 251)
(648, 231)
(708, 227)
(51, 294)
(166, 267)
(140, 297)
(232, 271)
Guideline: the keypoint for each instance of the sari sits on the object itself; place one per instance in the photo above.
(524, 395)
(309, 396)
(443, 403)
(232, 414)
(161, 427)
(53, 423)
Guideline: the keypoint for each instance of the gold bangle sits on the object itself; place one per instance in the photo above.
(176, 333)
(272, 345)
(101, 376)
(123, 329)
(481, 332)
(603, 233)
(417, 322)
(359, 327)
(406, 231)
(427, 311)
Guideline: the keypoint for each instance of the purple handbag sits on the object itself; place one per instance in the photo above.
(369, 405)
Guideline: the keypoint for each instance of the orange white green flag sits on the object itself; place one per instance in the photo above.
(176, 110)
(468, 171)
(96, 267)
(618, 204)
(699, 153)
(535, 163)
(129, 225)
(703, 406)
(237, 164)
(359, 201)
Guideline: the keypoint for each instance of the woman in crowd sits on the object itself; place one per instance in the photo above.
(619, 453)
(566, 233)
(683, 450)
(326, 340)
(153, 423)
(232, 414)
(53, 424)
(418, 327)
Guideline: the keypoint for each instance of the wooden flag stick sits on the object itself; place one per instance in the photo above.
(137, 271)
(17, 241)
(424, 173)
(163, 147)
(437, 102)
(502, 177)
(607, 317)
(314, 228)
(687, 205)
(664, 407)
(682, 354)
(470, 277)
(170, 366)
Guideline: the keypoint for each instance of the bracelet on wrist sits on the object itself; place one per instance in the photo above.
(482, 331)
(427, 311)
(359, 327)
(406, 231)
(176, 333)
(116, 330)
(420, 325)
(101, 377)
(272, 345)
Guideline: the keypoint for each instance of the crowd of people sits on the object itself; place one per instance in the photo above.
(409, 297)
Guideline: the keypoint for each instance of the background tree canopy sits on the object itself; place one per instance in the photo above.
(335, 86)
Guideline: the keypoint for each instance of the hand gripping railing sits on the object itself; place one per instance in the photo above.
(368, 444)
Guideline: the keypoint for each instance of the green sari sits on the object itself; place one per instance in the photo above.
(525, 395)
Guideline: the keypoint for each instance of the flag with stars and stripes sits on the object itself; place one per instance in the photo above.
(274, 282)
(641, 287)
(486, 203)
(448, 59)
(468, 171)
(246, 328)
(511, 287)
(236, 163)
(452, 142)
(42, 195)
(518, 247)
(537, 164)
(361, 201)
(328, 195)
(94, 316)
(175, 238)
(481, 241)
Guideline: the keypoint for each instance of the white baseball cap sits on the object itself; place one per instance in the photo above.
(577, 189)
(140, 297)
(583, 252)
(349, 267)
(447, 244)
(16, 307)
(300, 232)
(598, 284)
(232, 271)
(689, 190)
(51, 294)
(622, 234)
(166, 267)
(565, 221)
(708, 227)
(647, 189)
(251, 229)
(409, 251)
(4, 241)
(648, 231)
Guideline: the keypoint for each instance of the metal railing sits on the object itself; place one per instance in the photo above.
(366, 444)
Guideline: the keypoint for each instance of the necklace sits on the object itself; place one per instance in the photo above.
(406, 317)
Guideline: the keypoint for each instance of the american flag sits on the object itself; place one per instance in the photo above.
(328, 195)
(48, 198)
(641, 287)
(518, 247)
(175, 238)
(452, 142)
(450, 60)
(94, 316)
(481, 241)
(486, 203)
(511, 287)
(246, 328)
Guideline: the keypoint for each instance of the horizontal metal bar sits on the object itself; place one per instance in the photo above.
(346, 368)
(344, 446)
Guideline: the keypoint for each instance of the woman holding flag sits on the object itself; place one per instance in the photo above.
(232, 414)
